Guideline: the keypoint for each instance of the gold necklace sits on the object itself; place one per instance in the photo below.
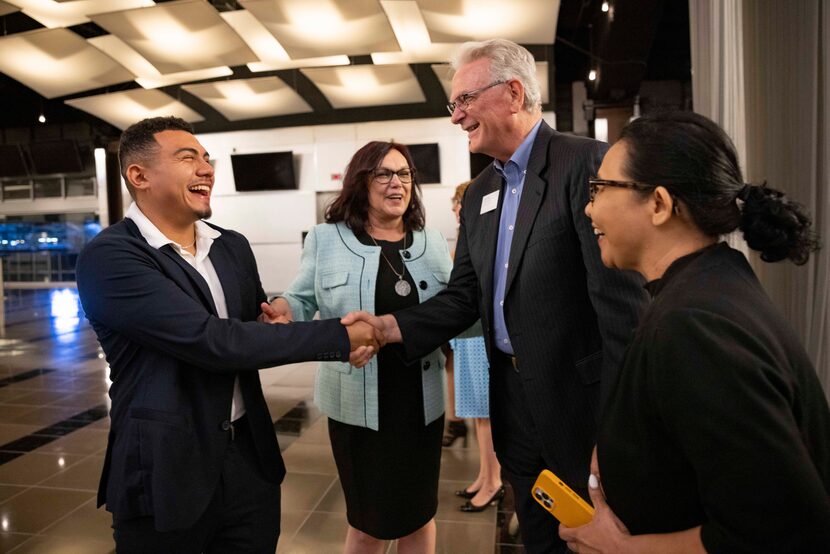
(402, 287)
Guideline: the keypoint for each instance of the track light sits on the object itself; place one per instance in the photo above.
(592, 75)
(605, 7)
(41, 118)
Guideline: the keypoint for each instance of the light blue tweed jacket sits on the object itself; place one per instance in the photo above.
(337, 275)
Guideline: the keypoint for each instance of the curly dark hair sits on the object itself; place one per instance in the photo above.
(694, 159)
(352, 204)
(138, 141)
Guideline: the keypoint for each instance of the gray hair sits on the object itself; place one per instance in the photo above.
(508, 61)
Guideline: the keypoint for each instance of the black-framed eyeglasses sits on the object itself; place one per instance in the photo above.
(463, 100)
(594, 184)
(384, 176)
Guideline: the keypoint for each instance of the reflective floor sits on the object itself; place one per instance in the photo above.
(53, 432)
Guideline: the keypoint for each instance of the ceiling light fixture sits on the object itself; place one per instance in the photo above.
(605, 7)
(592, 75)
(41, 118)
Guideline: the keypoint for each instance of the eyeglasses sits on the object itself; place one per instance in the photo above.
(463, 100)
(594, 184)
(384, 176)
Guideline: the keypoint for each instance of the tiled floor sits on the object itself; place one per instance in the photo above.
(53, 433)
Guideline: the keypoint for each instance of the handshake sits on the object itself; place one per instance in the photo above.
(367, 333)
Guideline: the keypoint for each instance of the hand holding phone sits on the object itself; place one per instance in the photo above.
(557, 498)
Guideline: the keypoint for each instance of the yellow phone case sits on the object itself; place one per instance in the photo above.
(558, 498)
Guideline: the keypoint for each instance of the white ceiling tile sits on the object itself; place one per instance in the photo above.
(316, 28)
(522, 21)
(250, 98)
(367, 85)
(179, 36)
(57, 62)
(122, 109)
(53, 14)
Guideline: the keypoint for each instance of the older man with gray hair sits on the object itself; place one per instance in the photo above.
(527, 263)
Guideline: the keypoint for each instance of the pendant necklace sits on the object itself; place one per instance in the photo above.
(402, 287)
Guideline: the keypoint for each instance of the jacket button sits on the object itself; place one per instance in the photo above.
(406, 254)
(423, 285)
(226, 425)
(426, 365)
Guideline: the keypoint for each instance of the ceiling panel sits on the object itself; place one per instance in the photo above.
(444, 73)
(250, 98)
(367, 85)
(270, 52)
(6, 9)
(53, 14)
(179, 36)
(146, 75)
(122, 109)
(522, 21)
(315, 28)
(57, 62)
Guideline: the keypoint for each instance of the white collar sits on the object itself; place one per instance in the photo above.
(156, 238)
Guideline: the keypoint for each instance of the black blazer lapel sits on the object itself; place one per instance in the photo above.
(197, 280)
(224, 266)
(533, 192)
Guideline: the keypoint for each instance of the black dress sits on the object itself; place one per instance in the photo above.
(718, 418)
(390, 476)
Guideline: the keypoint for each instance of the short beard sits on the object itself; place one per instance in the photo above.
(204, 214)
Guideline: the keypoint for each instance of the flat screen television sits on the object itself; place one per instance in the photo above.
(426, 160)
(267, 171)
(12, 163)
(56, 156)
(478, 163)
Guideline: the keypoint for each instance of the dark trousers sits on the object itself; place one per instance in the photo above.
(519, 452)
(242, 516)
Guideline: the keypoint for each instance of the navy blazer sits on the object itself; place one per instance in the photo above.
(569, 317)
(172, 365)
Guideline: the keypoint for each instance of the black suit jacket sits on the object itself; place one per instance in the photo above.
(568, 316)
(173, 363)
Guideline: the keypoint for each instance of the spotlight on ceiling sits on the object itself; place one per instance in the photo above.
(592, 75)
(41, 118)
(605, 7)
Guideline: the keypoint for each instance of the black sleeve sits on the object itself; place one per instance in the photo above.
(617, 296)
(730, 412)
(427, 326)
(124, 291)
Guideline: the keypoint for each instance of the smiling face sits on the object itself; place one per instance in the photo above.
(388, 202)
(488, 119)
(176, 182)
(620, 216)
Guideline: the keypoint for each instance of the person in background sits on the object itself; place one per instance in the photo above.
(555, 320)
(472, 399)
(192, 462)
(385, 420)
(716, 436)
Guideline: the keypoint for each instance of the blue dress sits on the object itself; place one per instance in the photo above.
(472, 374)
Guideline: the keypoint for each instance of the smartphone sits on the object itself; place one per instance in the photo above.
(558, 498)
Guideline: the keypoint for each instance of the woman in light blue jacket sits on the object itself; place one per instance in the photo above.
(385, 419)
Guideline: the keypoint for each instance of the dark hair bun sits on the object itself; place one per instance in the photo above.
(775, 226)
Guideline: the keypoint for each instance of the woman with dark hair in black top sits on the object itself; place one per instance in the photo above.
(716, 435)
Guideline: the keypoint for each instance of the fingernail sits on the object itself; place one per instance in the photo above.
(593, 482)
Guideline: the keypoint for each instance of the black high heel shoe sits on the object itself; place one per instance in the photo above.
(495, 499)
(456, 429)
(464, 493)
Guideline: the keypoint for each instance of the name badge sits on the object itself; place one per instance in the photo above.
(489, 202)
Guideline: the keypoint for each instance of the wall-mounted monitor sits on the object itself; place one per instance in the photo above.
(12, 163)
(267, 171)
(56, 156)
(478, 163)
(426, 160)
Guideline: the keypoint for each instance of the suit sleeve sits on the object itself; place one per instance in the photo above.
(730, 411)
(300, 294)
(427, 326)
(124, 291)
(617, 296)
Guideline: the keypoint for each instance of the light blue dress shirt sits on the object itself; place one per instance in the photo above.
(513, 176)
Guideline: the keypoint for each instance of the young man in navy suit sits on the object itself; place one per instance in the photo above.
(192, 462)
